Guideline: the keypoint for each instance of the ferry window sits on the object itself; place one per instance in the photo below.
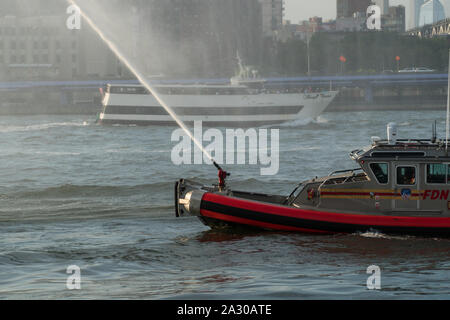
(436, 173)
(406, 176)
(381, 172)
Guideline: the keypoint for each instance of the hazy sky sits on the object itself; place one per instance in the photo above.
(297, 10)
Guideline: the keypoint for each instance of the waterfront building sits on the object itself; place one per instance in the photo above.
(184, 37)
(272, 16)
(384, 6)
(395, 20)
(41, 47)
(414, 14)
(347, 8)
(431, 12)
(202, 36)
(352, 24)
(305, 29)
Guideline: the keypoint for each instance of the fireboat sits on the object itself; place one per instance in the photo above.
(401, 186)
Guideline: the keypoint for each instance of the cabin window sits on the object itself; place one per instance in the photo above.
(381, 172)
(406, 176)
(448, 173)
(436, 173)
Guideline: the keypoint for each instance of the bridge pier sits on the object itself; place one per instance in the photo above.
(368, 94)
(63, 98)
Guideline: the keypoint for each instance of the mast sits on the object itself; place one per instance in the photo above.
(448, 107)
(308, 39)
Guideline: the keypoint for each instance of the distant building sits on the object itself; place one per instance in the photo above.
(272, 16)
(315, 24)
(32, 8)
(352, 24)
(347, 8)
(204, 35)
(395, 20)
(41, 47)
(288, 31)
(179, 37)
(329, 26)
(307, 28)
(431, 12)
(384, 6)
(415, 13)
(351, 15)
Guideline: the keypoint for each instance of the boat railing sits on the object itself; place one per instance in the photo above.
(312, 96)
(403, 142)
(356, 153)
(344, 171)
(288, 200)
(332, 177)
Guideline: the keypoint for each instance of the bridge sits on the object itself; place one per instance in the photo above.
(396, 79)
(362, 90)
(440, 28)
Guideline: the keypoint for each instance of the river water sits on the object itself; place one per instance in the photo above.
(101, 198)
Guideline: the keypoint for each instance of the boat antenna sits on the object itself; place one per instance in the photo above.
(448, 107)
(240, 64)
(433, 133)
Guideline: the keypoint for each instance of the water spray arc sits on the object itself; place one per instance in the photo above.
(121, 56)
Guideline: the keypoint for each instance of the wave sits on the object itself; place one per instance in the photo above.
(301, 148)
(43, 126)
(297, 123)
(379, 235)
(86, 210)
(54, 153)
(91, 191)
(320, 120)
(137, 151)
(68, 191)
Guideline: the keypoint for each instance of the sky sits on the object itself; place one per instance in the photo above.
(298, 10)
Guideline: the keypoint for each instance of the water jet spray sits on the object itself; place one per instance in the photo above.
(121, 56)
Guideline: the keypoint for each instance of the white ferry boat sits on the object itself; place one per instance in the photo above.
(244, 102)
(216, 105)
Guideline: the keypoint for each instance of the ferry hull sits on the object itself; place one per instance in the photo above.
(220, 110)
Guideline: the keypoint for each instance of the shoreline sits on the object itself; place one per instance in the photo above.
(375, 107)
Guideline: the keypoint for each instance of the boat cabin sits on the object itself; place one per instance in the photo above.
(395, 177)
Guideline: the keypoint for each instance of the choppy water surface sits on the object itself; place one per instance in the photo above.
(101, 198)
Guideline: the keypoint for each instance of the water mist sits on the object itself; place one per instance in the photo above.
(127, 62)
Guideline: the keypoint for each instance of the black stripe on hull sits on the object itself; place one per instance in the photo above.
(227, 124)
(198, 111)
(331, 227)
